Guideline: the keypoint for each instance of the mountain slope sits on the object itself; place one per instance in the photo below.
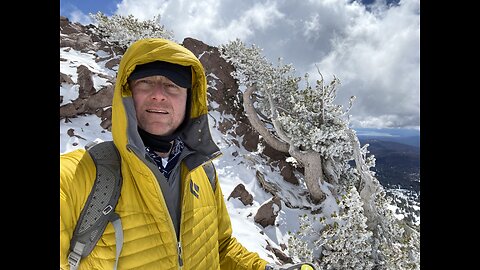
(87, 74)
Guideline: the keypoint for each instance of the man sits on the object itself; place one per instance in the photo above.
(160, 128)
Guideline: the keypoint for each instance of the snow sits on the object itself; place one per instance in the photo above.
(214, 105)
(102, 53)
(69, 93)
(74, 58)
(86, 127)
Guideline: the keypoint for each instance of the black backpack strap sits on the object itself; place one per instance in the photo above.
(209, 169)
(100, 205)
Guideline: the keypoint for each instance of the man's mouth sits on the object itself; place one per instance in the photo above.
(157, 111)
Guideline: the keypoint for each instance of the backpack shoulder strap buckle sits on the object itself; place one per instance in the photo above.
(75, 256)
(73, 259)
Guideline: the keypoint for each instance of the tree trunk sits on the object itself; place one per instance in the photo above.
(312, 162)
(258, 125)
(368, 187)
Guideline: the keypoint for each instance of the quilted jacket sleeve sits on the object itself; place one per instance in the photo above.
(232, 254)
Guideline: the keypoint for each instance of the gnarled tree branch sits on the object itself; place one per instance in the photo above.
(311, 160)
(368, 188)
(257, 124)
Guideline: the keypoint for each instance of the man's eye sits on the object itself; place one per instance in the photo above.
(171, 85)
(144, 82)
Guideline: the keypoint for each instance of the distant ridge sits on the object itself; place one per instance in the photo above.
(397, 164)
(404, 136)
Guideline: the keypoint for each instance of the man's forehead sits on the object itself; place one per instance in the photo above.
(154, 78)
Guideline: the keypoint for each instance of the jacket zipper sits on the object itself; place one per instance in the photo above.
(179, 251)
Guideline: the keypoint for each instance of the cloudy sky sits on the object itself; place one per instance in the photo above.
(372, 46)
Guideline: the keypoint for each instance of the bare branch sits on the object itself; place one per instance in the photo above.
(276, 124)
(284, 110)
(367, 189)
(263, 116)
(258, 124)
(254, 98)
(322, 102)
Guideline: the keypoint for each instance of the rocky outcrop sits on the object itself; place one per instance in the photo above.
(90, 100)
(224, 91)
(279, 253)
(85, 81)
(64, 78)
(239, 192)
(74, 35)
(268, 212)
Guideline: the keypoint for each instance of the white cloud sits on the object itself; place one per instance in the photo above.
(377, 58)
(375, 53)
(214, 22)
(77, 15)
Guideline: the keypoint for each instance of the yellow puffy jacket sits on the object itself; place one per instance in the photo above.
(150, 241)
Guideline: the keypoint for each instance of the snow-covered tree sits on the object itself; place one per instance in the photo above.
(124, 30)
(396, 245)
(307, 124)
(345, 239)
(339, 241)
(299, 244)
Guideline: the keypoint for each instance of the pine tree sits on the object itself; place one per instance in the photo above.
(124, 30)
(397, 245)
(345, 240)
(307, 124)
(339, 241)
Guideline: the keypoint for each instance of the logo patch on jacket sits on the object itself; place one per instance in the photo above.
(194, 188)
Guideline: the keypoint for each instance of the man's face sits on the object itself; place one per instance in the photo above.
(159, 104)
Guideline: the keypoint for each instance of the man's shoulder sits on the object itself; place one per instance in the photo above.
(77, 170)
(72, 158)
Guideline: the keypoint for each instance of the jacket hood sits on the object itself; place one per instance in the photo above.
(124, 122)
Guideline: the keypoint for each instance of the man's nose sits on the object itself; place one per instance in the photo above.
(159, 91)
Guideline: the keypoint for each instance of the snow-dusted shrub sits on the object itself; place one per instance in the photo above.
(345, 239)
(342, 242)
(124, 30)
